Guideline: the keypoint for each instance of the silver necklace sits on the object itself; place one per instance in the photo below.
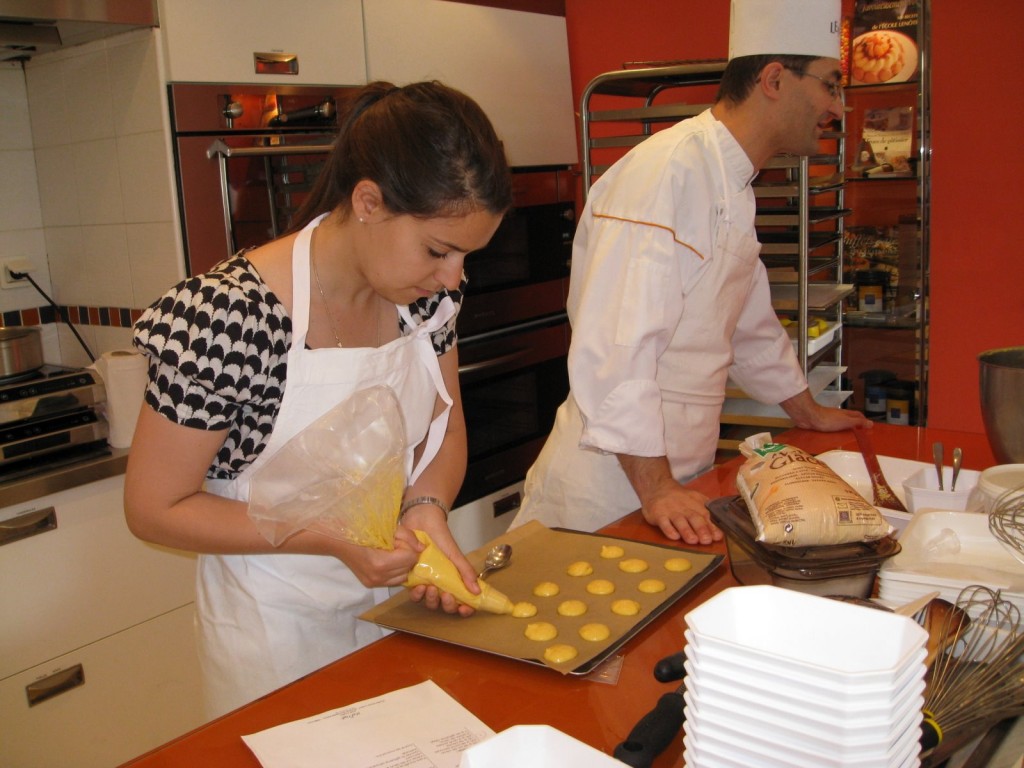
(327, 306)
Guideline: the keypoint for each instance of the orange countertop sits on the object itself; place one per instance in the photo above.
(504, 692)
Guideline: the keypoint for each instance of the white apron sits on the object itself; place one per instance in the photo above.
(266, 620)
(585, 489)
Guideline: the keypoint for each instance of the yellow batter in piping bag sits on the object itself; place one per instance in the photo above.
(434, 568)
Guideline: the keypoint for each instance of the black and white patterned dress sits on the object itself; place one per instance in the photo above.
(218, 344)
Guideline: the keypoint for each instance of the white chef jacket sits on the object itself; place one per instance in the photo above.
(668, 300)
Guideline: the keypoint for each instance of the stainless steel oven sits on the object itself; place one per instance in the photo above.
(245, 158)
(50, 418)
(514, 337)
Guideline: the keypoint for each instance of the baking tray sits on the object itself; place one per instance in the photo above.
(820, 296)
(544, 554)
(776, 216)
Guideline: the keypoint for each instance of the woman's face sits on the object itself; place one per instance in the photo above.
(411, 258)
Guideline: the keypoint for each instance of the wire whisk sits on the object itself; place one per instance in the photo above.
(1006, 520)
(978, 676)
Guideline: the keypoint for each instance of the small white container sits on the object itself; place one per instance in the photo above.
(921, 489)
(994, 482)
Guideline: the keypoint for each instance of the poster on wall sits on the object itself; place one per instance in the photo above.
(884, 46)
(887, 143)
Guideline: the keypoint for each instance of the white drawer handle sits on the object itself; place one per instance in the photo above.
(55, 684)
(28, 524)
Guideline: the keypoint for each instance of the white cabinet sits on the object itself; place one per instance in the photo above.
(215, 42)
(140, 690)
(514, 64)
(97, 658)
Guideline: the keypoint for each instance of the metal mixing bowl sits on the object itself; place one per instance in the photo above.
(1002, 402)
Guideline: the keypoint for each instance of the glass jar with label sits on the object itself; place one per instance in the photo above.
(899, 400)
(872, 285)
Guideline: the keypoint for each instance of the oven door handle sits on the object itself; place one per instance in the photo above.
(494, 362)
(222, 152)
(220, 149)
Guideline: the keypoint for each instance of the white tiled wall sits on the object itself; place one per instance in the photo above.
(21, 221)
(110, 188)
(88, 190)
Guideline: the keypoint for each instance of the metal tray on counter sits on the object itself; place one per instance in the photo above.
(544, 554)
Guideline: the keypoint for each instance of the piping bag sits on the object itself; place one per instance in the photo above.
(434, 568)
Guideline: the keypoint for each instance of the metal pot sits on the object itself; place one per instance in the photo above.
(1002, 407)
(21, 351)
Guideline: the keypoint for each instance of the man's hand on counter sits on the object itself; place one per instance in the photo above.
(678, 512)
(808, 414)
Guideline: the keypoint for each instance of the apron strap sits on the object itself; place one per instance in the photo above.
(300, 283)
(425, 351)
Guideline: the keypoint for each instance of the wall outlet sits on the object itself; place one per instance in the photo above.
(7, 266)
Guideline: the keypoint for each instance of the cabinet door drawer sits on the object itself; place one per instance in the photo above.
(217, 42)
(83, 580)
(140, 690)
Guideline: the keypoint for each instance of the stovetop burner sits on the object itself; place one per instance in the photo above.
(47, 371)
(48, 380)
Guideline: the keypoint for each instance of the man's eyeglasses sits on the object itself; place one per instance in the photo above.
(835, 90)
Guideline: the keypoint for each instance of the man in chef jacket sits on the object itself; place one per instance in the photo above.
(668, 297)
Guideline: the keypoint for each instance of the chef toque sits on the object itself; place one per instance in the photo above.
(800, 27)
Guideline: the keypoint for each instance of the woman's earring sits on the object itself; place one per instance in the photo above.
(362, 220)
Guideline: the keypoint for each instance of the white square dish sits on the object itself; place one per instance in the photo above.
(871, 739)
(757, 681)
(979, 557)
(833, 639)
(857, 716)
(539, 746)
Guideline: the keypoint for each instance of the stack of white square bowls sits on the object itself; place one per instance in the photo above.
(781, 679)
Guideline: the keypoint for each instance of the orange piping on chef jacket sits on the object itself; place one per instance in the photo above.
(651, 224)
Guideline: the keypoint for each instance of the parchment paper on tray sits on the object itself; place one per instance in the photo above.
(543, 554)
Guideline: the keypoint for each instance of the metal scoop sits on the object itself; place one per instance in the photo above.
(958, 459)
(499, 557)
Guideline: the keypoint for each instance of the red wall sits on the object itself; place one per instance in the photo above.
(977, 286)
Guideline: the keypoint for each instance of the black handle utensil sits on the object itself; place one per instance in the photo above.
(670, 668)
(655, 731)
(659, 727)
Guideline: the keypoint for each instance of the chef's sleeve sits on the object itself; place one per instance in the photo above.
(765, 366)
(623, 307)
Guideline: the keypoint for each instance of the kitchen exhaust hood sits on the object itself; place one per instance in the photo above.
(31, 27)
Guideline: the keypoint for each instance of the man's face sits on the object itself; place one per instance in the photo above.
(814, 101)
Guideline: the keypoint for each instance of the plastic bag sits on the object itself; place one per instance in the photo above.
(795, 499)
(342, 476)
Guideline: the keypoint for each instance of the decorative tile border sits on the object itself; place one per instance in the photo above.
(117, 317)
